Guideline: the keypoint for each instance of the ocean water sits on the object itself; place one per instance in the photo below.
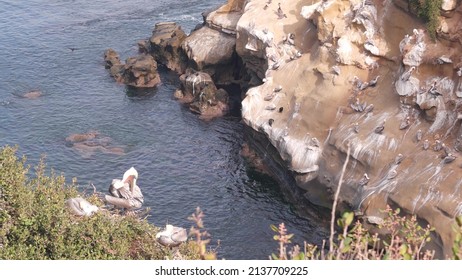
(183, 162)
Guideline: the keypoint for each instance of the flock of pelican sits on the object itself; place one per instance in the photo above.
(126, 194)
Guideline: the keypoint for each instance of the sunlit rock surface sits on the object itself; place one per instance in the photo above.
(165, 46)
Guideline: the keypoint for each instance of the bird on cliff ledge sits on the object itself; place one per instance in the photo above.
(364, 180)
(125, 193)
(280, 13)
(379, 129)
(407, 74)
(172, 236)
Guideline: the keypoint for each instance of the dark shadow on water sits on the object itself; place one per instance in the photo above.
(134, 93)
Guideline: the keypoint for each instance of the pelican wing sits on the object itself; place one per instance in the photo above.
(74, 207)
(118, 202)
(179, 235)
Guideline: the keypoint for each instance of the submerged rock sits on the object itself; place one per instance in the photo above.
(92, 142)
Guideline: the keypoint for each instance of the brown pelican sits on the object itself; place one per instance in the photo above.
(418, 135)
(280, 13)
(449, 158)
(369, 108)
(446, 150)
(270, 107)
(125, 193)
(433, 91)
(438, 146)
(81, 207)
(405, 123)
(373, 82)
(407, 74)
(392, 174)
(172, 236)
(379, 129)
(277, 89)
(399, 158)
(270, 122)
(364, 180)
(426, 144)
(359, 84)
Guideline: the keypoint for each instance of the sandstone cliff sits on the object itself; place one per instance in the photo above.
(366, 74)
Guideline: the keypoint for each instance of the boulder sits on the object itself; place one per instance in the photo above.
(140, 71)
(165, 46)
(111, 58)
(213, 52)
(199, 91)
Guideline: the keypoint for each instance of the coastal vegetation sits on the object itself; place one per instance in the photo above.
(34, 224)
(429, 11)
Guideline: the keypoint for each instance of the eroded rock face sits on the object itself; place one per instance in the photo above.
(341, 73)
(211, 48)
(199, 91)
(165, 46)
(211, 51)
(140, 71)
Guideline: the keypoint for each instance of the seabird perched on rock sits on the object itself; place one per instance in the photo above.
(369, 108)
(359, 84)
(446, 150)
(459, 72)
(270, 122)
(290, 39)
(275, 65)
(280, 109)
(277, 89)
(438, 146)
(405, 123)
(449, 158)
(373, 82)
(433, 91)
(336, 70)
(280, 12)
(399, 158)
(392, 174)
(172, 236)
(426, 144)
(418, 135)
(406, 75)
(364, 180)
(81, 207)
(356, 128)
(270, 107)
(379, 129)
(125, 193)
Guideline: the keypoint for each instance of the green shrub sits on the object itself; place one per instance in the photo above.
(428, 10)
(405, 240)
(35, 224)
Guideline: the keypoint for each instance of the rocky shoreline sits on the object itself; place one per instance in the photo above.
(321, 76)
